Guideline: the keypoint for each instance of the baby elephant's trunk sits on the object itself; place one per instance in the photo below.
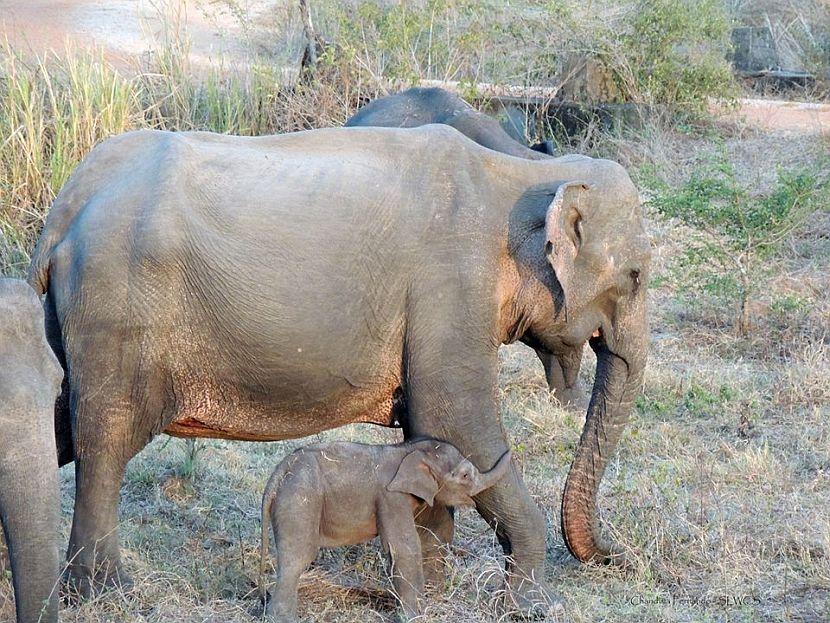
(489, 478)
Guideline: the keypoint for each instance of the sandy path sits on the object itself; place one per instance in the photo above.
(123, 29)
(782, 115)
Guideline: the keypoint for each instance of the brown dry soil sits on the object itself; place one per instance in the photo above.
(122, 29)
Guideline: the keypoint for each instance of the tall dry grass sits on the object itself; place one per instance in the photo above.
(55, 109)
(52, 112)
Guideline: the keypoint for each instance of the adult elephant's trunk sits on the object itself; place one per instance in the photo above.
(618, 379)
(29, 513)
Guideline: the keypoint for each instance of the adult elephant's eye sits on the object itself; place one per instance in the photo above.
(635, 280)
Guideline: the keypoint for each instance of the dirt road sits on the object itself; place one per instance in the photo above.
(123, 29)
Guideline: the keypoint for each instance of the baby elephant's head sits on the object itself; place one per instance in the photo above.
(436, 470)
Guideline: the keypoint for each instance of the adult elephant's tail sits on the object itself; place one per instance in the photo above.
(63, 422)
(38, 278)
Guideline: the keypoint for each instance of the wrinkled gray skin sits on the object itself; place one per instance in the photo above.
(30, 380)
(274, 287)
(421, 106)
(425, 105)
(327, 495)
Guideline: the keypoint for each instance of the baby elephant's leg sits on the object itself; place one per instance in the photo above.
(402, 545)
(297, 542)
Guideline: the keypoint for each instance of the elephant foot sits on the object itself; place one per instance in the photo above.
(79, 583)
(528, 600)
(572, 398)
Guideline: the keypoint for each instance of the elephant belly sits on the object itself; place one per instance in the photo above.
(226, 412)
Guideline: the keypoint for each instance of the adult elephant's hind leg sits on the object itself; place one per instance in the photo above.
(107, 434)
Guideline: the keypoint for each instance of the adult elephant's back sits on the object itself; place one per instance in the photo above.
(215, 264)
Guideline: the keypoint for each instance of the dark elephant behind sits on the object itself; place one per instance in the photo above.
(273, 287)
(425, 105)
(420, 106)
(30, 380)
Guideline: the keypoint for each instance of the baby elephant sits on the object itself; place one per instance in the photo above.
(326, 495)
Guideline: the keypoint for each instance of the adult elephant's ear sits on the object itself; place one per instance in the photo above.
(564, 233)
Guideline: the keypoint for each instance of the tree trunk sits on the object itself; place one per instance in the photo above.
(309, 61)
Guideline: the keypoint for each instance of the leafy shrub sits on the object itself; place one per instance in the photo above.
(734, 233)
(658, 51)
(462, 40)
(671, 52)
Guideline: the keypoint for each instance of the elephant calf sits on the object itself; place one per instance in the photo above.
(30, 381)
(327, 495)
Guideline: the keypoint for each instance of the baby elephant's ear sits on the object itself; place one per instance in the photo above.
(415, 478)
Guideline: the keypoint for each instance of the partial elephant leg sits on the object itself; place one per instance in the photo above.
(93, 556)
(29, 514)
(400, 541)
(293, 558)
(108, 431)
(435, 530)
(457, 403)
(436, 525)
(520, 528)
(562, 374)
(519, 524)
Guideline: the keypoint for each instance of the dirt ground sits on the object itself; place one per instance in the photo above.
(785, 116)
(123, 29)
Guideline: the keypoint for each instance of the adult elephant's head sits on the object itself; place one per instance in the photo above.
(596, 243)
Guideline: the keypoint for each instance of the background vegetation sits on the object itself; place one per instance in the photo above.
(720, 486)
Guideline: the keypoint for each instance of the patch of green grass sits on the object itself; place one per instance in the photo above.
(735, 233)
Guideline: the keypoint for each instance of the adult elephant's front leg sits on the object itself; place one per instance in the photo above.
(457, 403)
(520, 527)
(519, 524)
(562, 375)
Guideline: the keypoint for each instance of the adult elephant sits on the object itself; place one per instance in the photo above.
(30, 380)
(275, 287)
(424, 105)
(421, 106)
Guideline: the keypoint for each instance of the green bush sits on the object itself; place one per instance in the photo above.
(671, 52)
(734, 234)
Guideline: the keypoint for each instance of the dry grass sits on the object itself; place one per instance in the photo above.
(719, 489)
